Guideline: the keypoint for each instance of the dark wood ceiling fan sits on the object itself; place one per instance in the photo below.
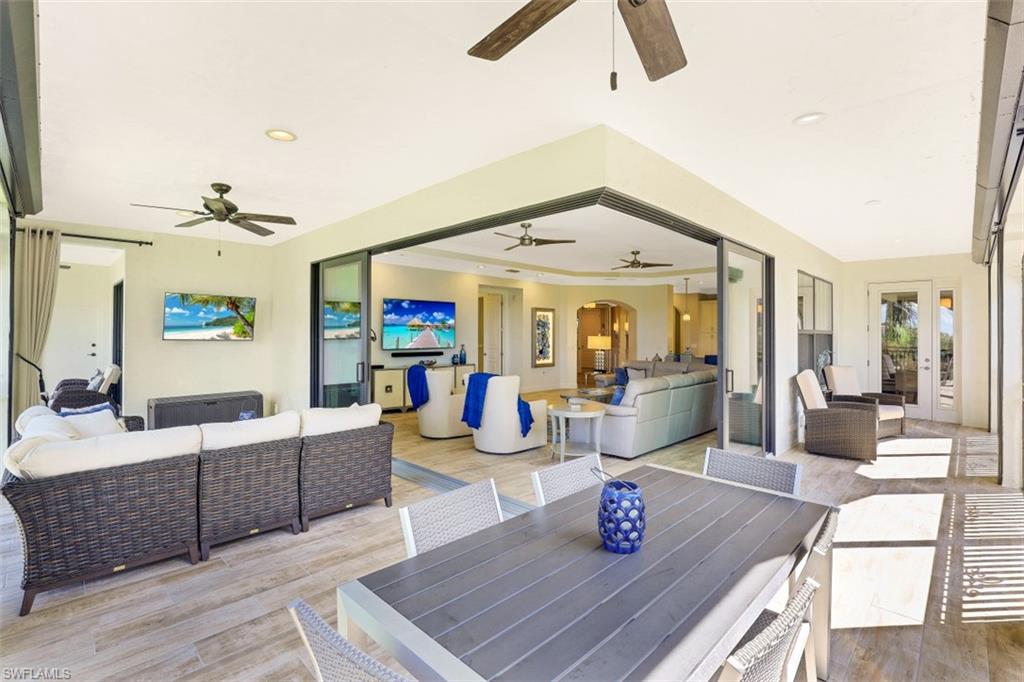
(222, 210)
(649, 23)
(526, 239)
(637, 264)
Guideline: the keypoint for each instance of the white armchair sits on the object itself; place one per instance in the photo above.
(441, 415)
(499, 432)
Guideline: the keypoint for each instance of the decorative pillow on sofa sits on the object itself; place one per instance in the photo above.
(617, 396)
(632, 373)
(92, 424)
(317, 421)
(67, 411)
(23, 420)
(95, 382)
(621, 376)
(218, 436)
(48, 459)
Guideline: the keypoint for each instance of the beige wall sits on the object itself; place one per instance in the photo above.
(970, 281)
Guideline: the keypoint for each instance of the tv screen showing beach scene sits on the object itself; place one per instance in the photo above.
(411, 324)
(203, 317)
(342, 319)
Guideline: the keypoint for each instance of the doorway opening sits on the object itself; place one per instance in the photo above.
(494, 324)
(602, 339)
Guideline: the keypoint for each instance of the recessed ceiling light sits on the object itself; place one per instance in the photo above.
(872, 202)
(481, 267)
(281, 135)
(809, 119)
(540, 274)
(185, 214)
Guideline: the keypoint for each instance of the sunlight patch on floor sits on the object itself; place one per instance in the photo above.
(993, 584)
(890, 518)
(915, 446)
(880, 586)
(917, 466)
(993, 515)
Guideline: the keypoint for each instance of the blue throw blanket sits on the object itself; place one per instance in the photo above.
(473, 411)
(416, 377)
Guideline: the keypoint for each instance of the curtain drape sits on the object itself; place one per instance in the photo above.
(36, 265)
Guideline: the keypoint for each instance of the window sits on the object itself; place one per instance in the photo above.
(814, 324)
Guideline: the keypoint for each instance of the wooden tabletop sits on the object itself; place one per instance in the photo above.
(537, 597)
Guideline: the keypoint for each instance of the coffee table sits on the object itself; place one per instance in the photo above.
(561, 415)
(601, 395)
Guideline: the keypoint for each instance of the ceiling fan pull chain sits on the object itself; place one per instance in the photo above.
(613, 78)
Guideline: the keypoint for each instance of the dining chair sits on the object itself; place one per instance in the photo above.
(449, 516)
(760, 472)
(563, 480)
(335, 659)
(774, 646)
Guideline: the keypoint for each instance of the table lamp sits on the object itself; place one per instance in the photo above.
(599, 344)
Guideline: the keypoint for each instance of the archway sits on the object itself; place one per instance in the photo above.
(605, 338)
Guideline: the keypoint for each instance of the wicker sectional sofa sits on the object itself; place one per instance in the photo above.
(88, 524)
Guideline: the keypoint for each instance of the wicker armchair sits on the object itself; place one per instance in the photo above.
(340, 470)
(775, 644)
(563, 480)
(839, 428)
(248, 489)
(335, 659)
(94, 523)
(892, 408)
(75, 393)
(450, 516)
(770, 474)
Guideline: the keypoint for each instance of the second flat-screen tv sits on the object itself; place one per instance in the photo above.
(410, 324)
(206, 317)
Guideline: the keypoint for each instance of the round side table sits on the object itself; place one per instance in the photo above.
(562, 415)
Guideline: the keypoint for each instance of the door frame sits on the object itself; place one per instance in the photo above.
(922, 409)
(316, 326)
(952, 415)
(117, 342)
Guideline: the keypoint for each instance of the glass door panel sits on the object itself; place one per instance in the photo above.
(343, 331)
(741, 342)
(901, 340)
(946, 407)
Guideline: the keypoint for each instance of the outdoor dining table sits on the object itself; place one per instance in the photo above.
(537, 597)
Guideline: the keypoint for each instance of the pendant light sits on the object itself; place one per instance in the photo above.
(686, 299)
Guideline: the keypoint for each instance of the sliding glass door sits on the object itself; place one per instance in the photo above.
(743, 393)
(341, 346)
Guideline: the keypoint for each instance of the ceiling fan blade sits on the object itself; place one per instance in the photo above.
(622, 267)
(655, 265)
(628, 262)
(502, 234)
(169, 208)
(193, 223)
(654, 36)
(264, 218)
(518, 28)
(514, 246)
(252, 227)
(545, 242)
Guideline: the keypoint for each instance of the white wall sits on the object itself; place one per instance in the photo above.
(970, 280)
(397, 281)
(82, 316)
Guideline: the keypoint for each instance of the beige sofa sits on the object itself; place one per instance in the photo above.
(656, 368)
(657, 412)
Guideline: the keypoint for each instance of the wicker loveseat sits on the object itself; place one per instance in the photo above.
(93, 523)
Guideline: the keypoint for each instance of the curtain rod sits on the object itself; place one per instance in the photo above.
(101, 239)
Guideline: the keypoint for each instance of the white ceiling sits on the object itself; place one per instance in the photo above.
(83, 254)
(603, 237)
(151, 101)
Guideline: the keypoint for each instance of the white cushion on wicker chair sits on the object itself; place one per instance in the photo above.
(842, 380)
(218, 436)
(48, 459)
(810, 390)
(886, 412)
(317, 421)
(26, 417)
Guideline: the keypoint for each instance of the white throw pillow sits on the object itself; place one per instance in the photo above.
(320, 420)
(29, 414)
(90, 425)
(51, 425)
(218, 436)
(116, 449)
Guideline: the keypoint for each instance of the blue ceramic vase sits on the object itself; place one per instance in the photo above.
(621, 517)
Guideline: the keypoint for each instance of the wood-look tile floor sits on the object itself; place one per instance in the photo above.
(929, 580)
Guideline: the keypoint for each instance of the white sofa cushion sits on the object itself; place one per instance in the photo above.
(842, 380)
(23, 420)
(810, 390)
(90, 425)
(218, 436)
(639, 387)
(317, 421)
(886, 412)
(42, 428)
(48, 459)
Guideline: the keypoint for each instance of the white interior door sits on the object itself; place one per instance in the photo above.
(492, 328)
(901, 341)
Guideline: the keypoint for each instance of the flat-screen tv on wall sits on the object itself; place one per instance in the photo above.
(205, 317)
(410, 324)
